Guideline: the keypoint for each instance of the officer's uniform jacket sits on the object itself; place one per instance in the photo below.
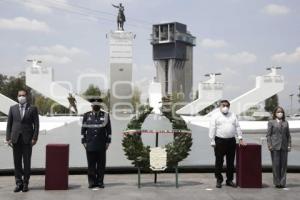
(96, 130)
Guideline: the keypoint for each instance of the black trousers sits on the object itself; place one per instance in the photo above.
(96, 166)
(22, 155)
(224, 147)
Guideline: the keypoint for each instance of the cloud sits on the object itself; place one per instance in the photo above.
(43, 7)
(58, 49)
(210, 43)
(284, 57)
(33, 5)
(22, 23)
(58, 54)
(275, 9)
(232, 87)
(230, 71)
(237, 58)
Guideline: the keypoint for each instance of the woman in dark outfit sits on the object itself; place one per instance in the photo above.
(279, 144)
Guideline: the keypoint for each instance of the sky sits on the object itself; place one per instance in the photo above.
(238, 38)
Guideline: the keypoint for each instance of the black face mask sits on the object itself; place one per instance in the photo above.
(96, 107)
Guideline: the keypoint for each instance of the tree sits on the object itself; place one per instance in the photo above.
(209, 108)
(106, 99)
(271, 103)
(250, 111)
(3, 80)
(9, 86)
(177, 100)
(47, 106)
(136, 98)
(94, 91)
(196, 95)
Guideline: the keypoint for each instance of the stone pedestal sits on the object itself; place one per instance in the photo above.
(120, 59)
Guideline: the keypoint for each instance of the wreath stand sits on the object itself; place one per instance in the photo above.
(155, 172)
(140, 154)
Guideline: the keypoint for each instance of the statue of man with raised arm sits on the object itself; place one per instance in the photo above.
(121, 17)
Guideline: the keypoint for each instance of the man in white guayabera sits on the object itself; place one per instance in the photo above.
(224, 128)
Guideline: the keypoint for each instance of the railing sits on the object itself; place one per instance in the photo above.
(211, 86)
(269, 78)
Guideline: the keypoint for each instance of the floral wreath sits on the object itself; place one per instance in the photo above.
(177, 150)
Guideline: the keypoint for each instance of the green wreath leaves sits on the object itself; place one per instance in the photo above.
(139, 154)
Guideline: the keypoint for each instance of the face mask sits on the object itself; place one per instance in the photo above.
(96, 107)
(22, 99)
(279, 115)
(224, 110)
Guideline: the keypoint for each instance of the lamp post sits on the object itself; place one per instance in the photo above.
(291, 95)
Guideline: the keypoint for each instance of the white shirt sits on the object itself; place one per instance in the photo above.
(224, 126)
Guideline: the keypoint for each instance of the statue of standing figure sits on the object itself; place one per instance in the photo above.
(72, 103)
(121, 17)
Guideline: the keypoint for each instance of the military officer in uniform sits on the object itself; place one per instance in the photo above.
(96, 137)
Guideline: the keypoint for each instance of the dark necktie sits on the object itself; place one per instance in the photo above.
(22, 111)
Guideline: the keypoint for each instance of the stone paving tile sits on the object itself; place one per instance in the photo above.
(191, 186)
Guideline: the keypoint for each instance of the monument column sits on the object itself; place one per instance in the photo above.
(120, 59)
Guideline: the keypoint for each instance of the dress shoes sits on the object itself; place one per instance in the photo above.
(219, 184)
(18, 188)
(91, 186)
(230, 184)
(25, 188)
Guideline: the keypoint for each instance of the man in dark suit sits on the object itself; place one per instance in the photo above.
(22, 133)
(96, 137)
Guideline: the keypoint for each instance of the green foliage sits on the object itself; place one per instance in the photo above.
(208, 109)
(179, 148)
(271, 103)
(132, 143)
(136, 98)
(250, 111)
(106, 99)
(137, 121)
(136, 151)
(43, 104)
(196, 95)
(94, 91)
(169, 112)
(9, 86)
(176, 151)
(177, 100)
(47, 106)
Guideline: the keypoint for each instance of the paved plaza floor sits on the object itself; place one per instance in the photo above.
(124, 186)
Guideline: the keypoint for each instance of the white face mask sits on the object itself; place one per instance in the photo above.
(22, 99)
(279, 115)
(224, 110)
